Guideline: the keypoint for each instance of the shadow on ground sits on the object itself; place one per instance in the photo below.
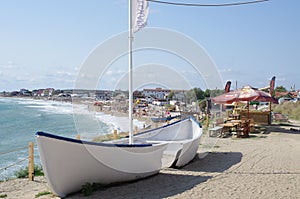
(170, 182)
(284, 128)
(159, 186)
(214, 162)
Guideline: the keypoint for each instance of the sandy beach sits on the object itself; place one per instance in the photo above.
(263, 166)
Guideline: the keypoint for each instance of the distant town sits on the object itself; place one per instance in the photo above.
(148, 103)
(156, 96)
(51, 93)
(106, 100)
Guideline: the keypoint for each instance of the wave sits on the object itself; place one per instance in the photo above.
(121, 124)
(54, 107)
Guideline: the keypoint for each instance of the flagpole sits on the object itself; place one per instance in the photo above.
(130, 41)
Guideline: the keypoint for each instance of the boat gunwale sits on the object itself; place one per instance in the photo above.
(57, 137)
(109, 144)
(171, 124)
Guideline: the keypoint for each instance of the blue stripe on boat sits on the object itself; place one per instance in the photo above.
(88, 142)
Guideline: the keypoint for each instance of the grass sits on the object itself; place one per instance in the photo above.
(3, 195)
(42, 194)
(292, 109)
(88, 188)
(23, 172)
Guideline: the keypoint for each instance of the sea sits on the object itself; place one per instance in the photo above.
(21, 118)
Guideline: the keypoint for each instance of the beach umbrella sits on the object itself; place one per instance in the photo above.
(246, 93)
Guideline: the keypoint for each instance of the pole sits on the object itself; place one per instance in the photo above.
(78, 137)
(115, 134)
(248, 106)
(31, 161)
(207, 113)
(130, 40)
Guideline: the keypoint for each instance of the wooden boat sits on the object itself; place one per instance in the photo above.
(182, 138)
(68, 163)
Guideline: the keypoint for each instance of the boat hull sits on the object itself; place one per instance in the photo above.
(69, 164)
(182, 139)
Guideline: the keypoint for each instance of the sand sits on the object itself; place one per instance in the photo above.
(263, 166)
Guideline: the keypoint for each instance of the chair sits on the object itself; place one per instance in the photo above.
(251, 125)
(243, 129)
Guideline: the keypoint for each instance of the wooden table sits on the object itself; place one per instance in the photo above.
(235, 116)
(228, 126)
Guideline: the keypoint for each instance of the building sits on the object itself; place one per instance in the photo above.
(103, 94)
(157, 93)
(48, 92)
(25, 92)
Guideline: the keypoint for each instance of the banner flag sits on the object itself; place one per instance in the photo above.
(227, 87)
(272, 85)
(140, 10)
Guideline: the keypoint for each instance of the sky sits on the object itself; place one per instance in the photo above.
(45, 43)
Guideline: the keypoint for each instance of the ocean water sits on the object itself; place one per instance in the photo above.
(20, 119)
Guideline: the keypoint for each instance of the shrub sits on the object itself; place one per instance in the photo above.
(23, 172)
(88, 188)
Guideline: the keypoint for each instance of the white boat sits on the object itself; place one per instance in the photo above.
(68, 163)
(182, 138)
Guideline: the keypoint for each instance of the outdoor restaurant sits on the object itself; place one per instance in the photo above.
(243, 115)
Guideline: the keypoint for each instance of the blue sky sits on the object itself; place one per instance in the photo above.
(44, 43)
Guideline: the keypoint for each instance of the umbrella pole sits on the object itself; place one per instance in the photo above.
(248, 115)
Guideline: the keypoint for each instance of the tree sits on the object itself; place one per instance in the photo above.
(171, 95)
(190, 96)
(199, 93)
(202, 105)
(207, 93)
(280, 89)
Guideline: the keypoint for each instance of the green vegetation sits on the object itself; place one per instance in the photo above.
(199, 94)
(280, 89)
(292, 109)
(42, 194)
(88, 188)
(23, 172)
(3, 195)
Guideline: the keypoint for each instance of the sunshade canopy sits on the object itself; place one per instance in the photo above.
(246, 93)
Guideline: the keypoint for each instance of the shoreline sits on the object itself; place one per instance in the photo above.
(88, 104)
(263, 166)
(66, 108)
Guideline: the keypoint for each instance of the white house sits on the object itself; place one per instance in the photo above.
(157, 93)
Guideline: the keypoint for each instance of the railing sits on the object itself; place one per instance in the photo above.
(30, 159)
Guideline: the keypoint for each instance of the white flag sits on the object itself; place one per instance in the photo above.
(139, 16)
